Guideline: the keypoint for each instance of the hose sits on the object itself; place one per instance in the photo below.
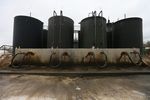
(140, 62)
(28, 60)
(91, 55)
(106, 60)
(125, 54)
(50, 60)
(12, 61)
(23, 59)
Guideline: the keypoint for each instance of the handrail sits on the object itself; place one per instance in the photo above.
(6, 48)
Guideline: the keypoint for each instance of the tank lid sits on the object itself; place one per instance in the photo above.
(131, 18)
(61, 16)
(92, 17)
(28, 17)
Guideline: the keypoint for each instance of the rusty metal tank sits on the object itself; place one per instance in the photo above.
(93, 32)
(27, 32)
(60, 32)
(128, 33)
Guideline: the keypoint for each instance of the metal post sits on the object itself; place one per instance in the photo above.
(60, 29)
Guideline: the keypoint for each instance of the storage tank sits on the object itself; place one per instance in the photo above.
(27, 32)
(93, 32)
(128, 33)
(110, 32)
(44, 38)
(60, 32)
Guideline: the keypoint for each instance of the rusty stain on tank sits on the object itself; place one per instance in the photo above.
(53, 57)
(65, 57)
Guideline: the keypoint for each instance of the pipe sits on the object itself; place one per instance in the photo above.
(54, 13)
(100, 13)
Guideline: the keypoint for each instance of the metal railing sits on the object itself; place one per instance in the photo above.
(7, 48)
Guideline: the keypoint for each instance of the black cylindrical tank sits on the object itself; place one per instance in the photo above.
(93, 32)
(128, 33)
(44, 38)
(110, 32)
(60, 32)
(27, 32)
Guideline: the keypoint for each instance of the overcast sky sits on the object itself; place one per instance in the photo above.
(75, 9)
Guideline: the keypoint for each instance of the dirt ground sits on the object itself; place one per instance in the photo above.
(32, 87)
